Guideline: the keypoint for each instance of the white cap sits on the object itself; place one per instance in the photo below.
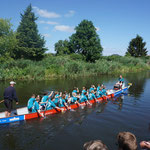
(12, 82)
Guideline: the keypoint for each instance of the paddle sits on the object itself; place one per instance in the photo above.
(1, 101)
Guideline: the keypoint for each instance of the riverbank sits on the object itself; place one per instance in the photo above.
(69, 66)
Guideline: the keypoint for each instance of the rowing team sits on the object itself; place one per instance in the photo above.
(58, 100)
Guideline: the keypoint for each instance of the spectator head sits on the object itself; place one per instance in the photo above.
(126, 141)
(84, 88)
(95, 145)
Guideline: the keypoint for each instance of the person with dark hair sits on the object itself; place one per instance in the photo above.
(57, 97)
(35, 107)
(92, 88)
(83, 98)
(126, 141)
(45, 99)
(95, 145)
(92, 96)
(145, 144)
(30, 103)
(9, 96)
(62, 102)
(76, 90)
(84, 90)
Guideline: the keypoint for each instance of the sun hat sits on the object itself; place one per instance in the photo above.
(12, 82)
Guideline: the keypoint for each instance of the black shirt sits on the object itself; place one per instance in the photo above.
(10, 93)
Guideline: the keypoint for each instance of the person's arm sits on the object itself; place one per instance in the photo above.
(15, 96)
(86, 100)
(95, 97)
(50, 94)
(66, 106)
(77, 103)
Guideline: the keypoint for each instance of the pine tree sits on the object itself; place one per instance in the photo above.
(30, 43)
(136, 47)
(86, 41)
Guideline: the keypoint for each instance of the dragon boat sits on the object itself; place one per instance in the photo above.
(21, 114)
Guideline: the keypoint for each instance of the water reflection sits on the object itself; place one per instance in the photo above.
(138, 82)
(118, 100)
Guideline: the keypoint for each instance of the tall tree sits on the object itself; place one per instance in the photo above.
(30, 43)
(136, 47)
(86, 41)
(62, 47)
(7, 38)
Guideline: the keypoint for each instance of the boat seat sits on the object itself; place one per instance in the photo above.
(22, 111)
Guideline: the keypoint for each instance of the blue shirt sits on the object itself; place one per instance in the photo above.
(66, 98)
(91, 96)
(44, 99)
(103, 92)
(98, 88)
(74, 91)
(83, 91)
(35, 107)
(91, 89)
(61, 102)
(99, 94)
(50, 105)
(30, 103)
(121, 79)
(56, 99)
(73, 99)
(83, 98)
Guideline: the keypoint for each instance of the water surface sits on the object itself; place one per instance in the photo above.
(70, 130)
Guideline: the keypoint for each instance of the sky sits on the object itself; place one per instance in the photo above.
(116, 21)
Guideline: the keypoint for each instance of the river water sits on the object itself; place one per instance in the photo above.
(70, 130)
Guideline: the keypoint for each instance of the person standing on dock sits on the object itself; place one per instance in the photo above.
(9, 96)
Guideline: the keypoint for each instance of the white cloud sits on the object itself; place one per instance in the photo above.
(48, 22)
(46, 35)
(64, 28)
(46, 14)
(70, 13)
(97, 28)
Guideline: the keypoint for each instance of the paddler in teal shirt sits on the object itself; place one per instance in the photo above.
(62, 102)
(45, 99)
(121, 81)
(36, 107)
(30, 102)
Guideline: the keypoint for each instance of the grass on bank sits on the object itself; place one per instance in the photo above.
(69, 66)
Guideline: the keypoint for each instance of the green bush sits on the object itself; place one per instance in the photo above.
(69, 66)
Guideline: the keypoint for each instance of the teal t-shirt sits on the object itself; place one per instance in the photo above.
(73, 99)
(99, 94)
(83, 98)
(83, 91)
(103, 92)
(98, 88)
(35, 107)
(61, 102)
(91, 96)
(91, 89)
(121, 79)
(50, 105)
(56, 98)
(44, 99)
(30, 103)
